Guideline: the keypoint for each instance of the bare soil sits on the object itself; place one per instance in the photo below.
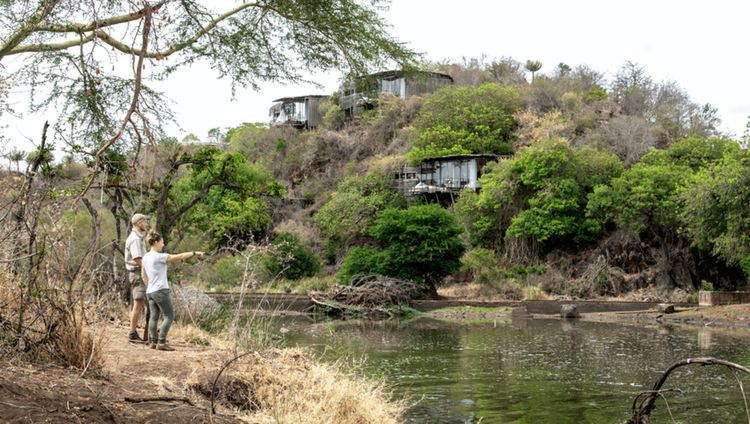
(135, 385)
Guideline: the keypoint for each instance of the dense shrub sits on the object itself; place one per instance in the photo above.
(420, 244)
(715, 210)
(457, 120)
(647, 196)
(291, 259)
(352, 207)
(360, 261)
(540, 194)
(223, 274)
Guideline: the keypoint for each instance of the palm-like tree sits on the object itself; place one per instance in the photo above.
(16, 156)
(533, 66)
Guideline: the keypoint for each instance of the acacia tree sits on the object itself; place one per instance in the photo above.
(68, 51)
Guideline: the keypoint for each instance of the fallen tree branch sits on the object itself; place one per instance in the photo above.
(641, 413)
(159, 399)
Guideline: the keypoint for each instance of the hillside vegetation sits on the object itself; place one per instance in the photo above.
(611, 188)
(624, 188)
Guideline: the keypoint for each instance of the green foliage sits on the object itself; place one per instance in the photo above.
(333, 116)
(745, 265)
(595, 94)
(230, 190)
(644, 195)
(281, 144)
(225, 273)
(693, 152)
(243, 137)
(482, 265)
(648, 194)
(352, 207)
(522, 271)
(715, 209)
(541, 193)
(361, 261)
(290, 258)
(458, 120)
(420, 244)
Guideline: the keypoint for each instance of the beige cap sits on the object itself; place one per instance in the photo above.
(137, 217)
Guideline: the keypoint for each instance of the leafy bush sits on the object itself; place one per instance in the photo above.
(457, 120)
(714, 213)
(333, 116)
(649, 195)
(482, 265)
(360, 261)
(224, 273)
(540, 194)
(644, 196)
(351, 209)
(421, 244)
(291, 259)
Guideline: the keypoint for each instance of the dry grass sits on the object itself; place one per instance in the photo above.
(289, 387)
(59, 323)
(190, 334)
(533, 293)
(76, 346)
(483, 292)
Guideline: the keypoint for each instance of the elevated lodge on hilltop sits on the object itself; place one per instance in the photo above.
(356, 96)
(362, 93)
(299, 112)
(443, 176)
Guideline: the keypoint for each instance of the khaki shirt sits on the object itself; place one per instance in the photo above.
(134, 248)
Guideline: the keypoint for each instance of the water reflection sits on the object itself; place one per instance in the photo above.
(705, 338)
(535, 371)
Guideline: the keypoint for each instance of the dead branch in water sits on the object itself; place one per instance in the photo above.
(640, 413)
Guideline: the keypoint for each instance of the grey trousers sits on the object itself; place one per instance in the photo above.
(160, 302)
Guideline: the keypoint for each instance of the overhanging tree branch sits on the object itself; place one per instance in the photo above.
(44, 9)
(117, 44)
(133, 107)
(97, 24)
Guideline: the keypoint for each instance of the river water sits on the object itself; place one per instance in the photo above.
(525, 370)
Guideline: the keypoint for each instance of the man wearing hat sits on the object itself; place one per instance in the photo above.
(134, 251)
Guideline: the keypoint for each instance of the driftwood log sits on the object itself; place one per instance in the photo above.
(642, 411)
(369, 295)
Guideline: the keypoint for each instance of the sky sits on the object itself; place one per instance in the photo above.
(699, 45)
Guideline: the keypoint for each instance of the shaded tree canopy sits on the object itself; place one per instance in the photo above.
(91, 60)
(540, 193)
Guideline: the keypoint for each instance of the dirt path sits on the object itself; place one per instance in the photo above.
(138, 385)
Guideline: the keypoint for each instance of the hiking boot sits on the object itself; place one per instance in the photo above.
(134, 338)
(164, 346)
(152, 346)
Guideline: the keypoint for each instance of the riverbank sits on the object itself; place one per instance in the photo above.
(137, 384)
(728, 316)
(731, 316)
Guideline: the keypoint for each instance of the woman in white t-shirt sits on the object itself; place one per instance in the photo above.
(154, 273)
